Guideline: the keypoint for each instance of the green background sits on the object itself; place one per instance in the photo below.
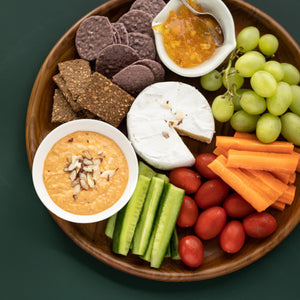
(38, 261)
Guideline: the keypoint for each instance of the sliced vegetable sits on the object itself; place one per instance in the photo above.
(146, 170)
(240, 182)
(228, 142)
(262, 161)
(128, 216)
(279, 205)
(164, 177)
(288, 196)
(174, 245)
(166, 220)
(145, 224)
(110, 226)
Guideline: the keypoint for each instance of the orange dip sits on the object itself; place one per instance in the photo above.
(110, 173)
(186, 38)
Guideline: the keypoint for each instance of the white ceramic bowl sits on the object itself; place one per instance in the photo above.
(224, 17)
(83, 125)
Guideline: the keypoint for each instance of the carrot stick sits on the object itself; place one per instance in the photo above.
(278, 205)
(262, 161)
(245, 135)
(284, 177)
(270, 180)
(297, 149)
(220, 151)
(229, 142)
(240, 182)
(292, 178)
(296, 153)
(289, 195)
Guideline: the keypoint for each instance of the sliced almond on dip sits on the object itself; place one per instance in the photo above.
(84, 171)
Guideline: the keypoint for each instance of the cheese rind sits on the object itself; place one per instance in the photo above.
(159, 114)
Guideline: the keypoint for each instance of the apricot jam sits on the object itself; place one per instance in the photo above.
(186, 38)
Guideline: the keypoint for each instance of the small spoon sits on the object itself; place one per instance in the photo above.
(212, 24)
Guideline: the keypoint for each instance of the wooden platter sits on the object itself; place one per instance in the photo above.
(90, 237)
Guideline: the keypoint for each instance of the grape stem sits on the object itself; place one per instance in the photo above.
(230, 92)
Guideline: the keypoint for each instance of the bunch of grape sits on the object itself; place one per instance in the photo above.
(272, 105)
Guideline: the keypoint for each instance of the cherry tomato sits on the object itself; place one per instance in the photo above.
(237, 207)
(191, 251)
(210, 222)
(211, 193)
(201, 162)
(232, 237)
(188, 213)
(259, 225)
(186, 179)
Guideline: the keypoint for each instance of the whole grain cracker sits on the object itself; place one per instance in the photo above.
(63, 88)
(106, 100)
(61, 110)
(77, 75)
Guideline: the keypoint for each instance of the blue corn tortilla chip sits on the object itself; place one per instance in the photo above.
(114, 58)
(137, 21)
(156, 68)
(143, 44)
(93, 34)
(134, 78)
(152, 7)
(122, 32)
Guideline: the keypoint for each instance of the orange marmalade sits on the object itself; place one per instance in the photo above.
(186, 38)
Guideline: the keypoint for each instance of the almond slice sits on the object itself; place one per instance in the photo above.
(83, 184)
(90, 180)
(87, 162)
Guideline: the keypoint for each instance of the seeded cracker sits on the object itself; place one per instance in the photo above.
(63, 88)
(106, 100)
(61, 111)
(77, 75)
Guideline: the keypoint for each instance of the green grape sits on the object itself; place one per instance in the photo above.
(237, 98)
(281, 100)
(248, 38)
(253, 103)
(263, 83)
(211, 81)
(268, 44)
(234, 79)
(244, 122)
(268, 128)
(291, 74)
(295, 105)
(291, 128)
(249, 63)
(275, 68)
(222, 108)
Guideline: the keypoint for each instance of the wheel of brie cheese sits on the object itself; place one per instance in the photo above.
(160, 114)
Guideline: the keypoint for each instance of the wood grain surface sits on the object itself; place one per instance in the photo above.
(90, 237)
